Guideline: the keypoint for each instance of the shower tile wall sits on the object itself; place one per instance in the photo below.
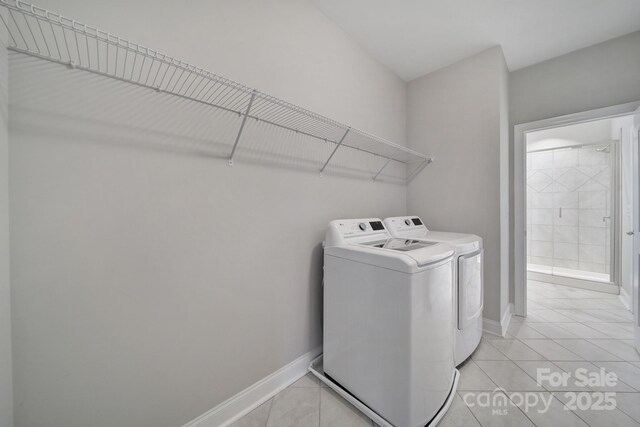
(567, 199)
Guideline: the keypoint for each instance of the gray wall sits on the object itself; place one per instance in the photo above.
(151, 281)
(457, 115)
(6, 403)
(597, 76)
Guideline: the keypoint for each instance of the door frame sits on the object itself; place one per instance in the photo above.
(519, 186)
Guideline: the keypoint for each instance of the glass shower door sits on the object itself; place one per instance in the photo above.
(570, 204)
(582, 204)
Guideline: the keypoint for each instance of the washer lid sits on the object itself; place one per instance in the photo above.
(463, 242)
(400, 244)
(406, 255)
(411, 227)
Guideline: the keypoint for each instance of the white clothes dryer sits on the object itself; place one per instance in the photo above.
(468, 278)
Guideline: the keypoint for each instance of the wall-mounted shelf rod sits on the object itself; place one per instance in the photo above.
(43, 34)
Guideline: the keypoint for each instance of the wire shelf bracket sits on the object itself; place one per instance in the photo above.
(334, 150)
(382, 168)
(244, 120)
(43, 34)
(418, 168)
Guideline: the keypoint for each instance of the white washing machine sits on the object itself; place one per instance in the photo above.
(468, 279)
(387, 323)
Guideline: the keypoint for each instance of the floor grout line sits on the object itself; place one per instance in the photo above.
(320, 407)
(469, 409)
(266, 423)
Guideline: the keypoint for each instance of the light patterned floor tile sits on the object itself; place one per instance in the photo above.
(296, 407)
(596, 304)
(578, 371)
(629, 403)
(552, 330)
(516, 350)
(587, 351)
(486, 351)
(335, 411)
(534, 305)
(509, 415)
(545, 410)
(580, 330)
(508, 376)
(626, 372)
(625, 314)
(256, 418)
(309, 380)
(524, 331)
(624, 349)
(579, 316)
(489, 336)
(459, 415)
(597, 418)
(547, 374)
(546, 316)
(551, 350)
(474, 378)
(606, 316)
(621, 331)
(553, 303)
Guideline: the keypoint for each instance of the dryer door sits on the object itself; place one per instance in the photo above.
(470, 289)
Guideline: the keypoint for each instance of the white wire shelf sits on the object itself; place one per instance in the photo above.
(47, 35)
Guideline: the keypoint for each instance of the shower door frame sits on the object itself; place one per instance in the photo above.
(614, 208)
(519, 187)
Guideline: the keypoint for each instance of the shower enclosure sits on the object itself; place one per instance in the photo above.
(571, 218)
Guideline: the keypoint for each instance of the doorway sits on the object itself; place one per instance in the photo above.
(580, 245)
(573, 195)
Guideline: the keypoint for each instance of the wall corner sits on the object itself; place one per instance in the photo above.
(6, 371)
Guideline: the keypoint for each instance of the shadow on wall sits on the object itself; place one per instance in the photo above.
(316, 283)
(90, 108)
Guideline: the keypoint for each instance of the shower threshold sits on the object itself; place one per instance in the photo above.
(570, 277)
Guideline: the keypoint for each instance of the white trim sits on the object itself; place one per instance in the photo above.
(625, 298)
(498, 328)
(255, 395)
(519, 186)
(505, 186)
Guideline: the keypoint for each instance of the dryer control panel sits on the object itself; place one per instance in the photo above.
(360, 230)
(406, 225)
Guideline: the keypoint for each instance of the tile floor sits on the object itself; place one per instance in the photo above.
(566, 329)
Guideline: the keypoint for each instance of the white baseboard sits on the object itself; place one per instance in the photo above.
(255, 395)
(625, 298)
(498, 328)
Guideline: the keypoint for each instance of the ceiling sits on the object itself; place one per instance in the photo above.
(415, 37)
